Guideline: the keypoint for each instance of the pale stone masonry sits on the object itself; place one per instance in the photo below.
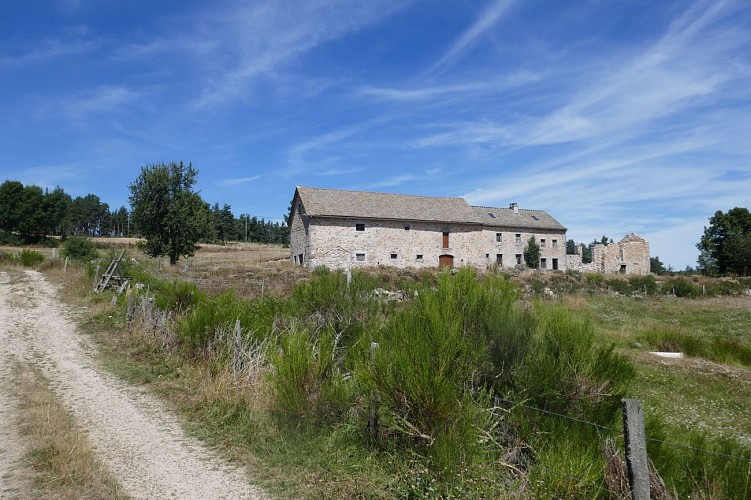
(628, 256)
(346, 229)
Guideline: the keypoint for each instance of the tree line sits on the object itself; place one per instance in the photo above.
(30, 213)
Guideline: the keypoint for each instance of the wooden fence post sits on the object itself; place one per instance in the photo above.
(373, 414)
(129, 313)
(636, 449)
(65, 265)
(96, 275)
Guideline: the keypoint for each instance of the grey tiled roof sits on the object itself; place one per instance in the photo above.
(505, 217)
(370, 205)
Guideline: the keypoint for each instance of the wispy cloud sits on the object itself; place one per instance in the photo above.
(482, 24)
(339, 171)
(392, 181)
(473, 88)
(101, 100)
(50, 49)
(240, 180)
(257, 40)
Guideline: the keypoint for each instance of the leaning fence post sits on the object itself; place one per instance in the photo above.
(373, 414)
(636, 449)
(65, 265)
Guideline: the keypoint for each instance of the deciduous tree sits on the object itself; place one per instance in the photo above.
(170, 215)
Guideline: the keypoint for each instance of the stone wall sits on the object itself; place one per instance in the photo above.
(337, 243)
(512, 244)
(628, 256)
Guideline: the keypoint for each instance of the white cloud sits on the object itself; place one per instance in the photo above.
(103, 99)
(240, 180)
(482, 24)
(255, 41)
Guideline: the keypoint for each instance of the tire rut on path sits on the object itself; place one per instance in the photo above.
(144, 446)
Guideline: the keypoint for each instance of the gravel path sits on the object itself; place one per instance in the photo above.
(145, 447)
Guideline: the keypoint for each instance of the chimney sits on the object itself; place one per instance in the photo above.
(514, 207)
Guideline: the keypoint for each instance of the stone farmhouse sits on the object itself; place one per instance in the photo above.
(345, 229)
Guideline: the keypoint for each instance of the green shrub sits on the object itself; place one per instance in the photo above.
(177, 296)
(681, 287)
(307, 384)
(79, 248)
(644, 284)
(424, 368)
(30, 258)
(566, 372)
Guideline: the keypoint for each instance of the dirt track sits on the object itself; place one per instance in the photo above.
(143, 446)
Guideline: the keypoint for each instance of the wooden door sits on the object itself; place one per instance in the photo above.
(446, 260)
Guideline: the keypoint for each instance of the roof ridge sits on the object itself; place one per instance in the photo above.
(382, 192)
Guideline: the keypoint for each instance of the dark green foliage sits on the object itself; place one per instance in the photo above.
(532, 253)
(168, 213)
(79, 248)
(570, 247)
(681, 287)
(30, 258)
(725, 245)
(656, 266)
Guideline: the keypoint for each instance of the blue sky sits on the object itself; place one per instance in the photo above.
(614, 116)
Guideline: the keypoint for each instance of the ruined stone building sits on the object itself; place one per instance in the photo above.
(628, 256)
(344, 229)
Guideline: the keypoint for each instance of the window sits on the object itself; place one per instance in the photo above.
(499, 259)
(393, 256)
(407, 227)
(360, 257)
(498, 237)
(300, 259)
(445, 239)
(543, 263)
(542, 243)
(419, 257)
(555, 243)
(359, 227)
(487, 255)
(518, 237)
(555, 264)
(518, 259)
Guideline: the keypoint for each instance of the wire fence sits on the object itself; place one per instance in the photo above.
(613, 430)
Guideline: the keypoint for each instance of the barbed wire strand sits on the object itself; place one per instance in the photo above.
(670, 443)
(689, 447)
(567, 417)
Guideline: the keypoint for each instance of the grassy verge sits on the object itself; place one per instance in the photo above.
(59, 451)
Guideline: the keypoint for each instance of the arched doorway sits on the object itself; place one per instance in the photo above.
(446, 260)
